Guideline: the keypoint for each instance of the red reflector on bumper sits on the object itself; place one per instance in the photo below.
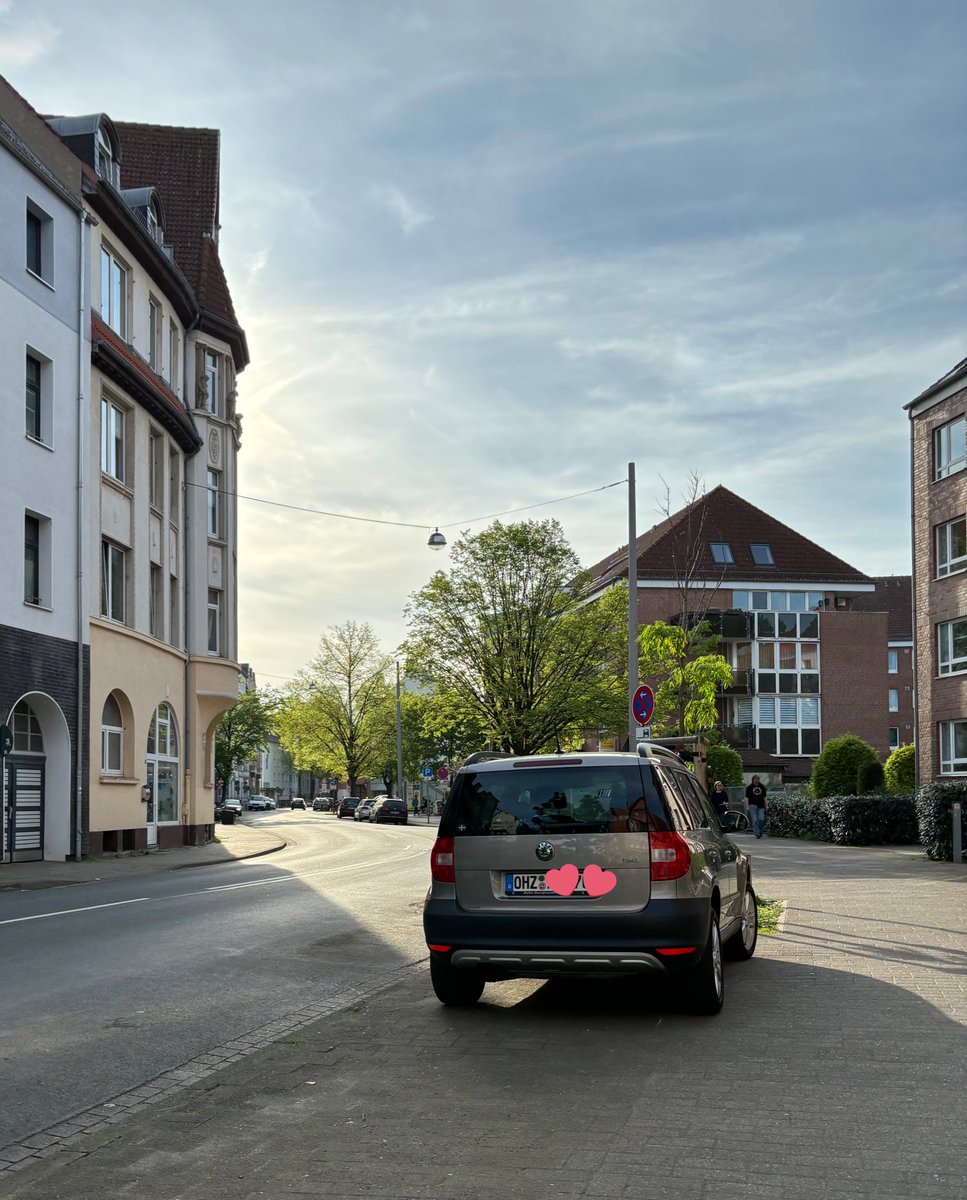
(670, 951)
(442, 949)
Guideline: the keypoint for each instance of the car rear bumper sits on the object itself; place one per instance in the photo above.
(543, 944)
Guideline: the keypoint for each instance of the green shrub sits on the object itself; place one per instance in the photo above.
(836, 769)
(869, 779)
(724, 763)
(934, 801)
(901, 769)
(882, 820)
(798, 817)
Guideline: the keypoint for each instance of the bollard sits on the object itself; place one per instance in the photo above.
(958, 854)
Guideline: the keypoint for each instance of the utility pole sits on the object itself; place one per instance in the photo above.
(632, 610)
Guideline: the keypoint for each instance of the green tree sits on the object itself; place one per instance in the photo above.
(333, 721)
(508, 635)
(724, 764)
(900, 771)
(836, 770)
(243, 731)
(686, 676)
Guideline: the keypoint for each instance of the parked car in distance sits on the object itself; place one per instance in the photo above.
(363, 809)
(600, 863)
(297, 802)
(347, 806)
(389, 809)
(321, 804)
(260, 803)
(228, 811)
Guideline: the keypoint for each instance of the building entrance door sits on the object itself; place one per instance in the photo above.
(23, 817)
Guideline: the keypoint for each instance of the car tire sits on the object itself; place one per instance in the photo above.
(453, 987)
(705, 985)
(741, 945)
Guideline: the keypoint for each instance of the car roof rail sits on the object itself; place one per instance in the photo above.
(480, 756)
(650, 750)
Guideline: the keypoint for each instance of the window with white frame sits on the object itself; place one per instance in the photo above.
(156, 469)
(153, 216)
(113, 581)
(214, 504)
(214, 621)
(113, 442)
(953, 747)
(892, 661)
(34, 410)
(894, 737)
(174, 486)
(788, 725)
(174, 355)
(114, 292)
(212, 381)
(952, 647)
(950, 448)
(31, 559)
(108, 166)
(721, 553)
(156, 602)
(778, 601)
(894, 699)
(156, 324)
(112, 738)
(28, 737)
(952, 546)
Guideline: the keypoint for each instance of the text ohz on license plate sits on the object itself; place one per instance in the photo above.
(534, 885)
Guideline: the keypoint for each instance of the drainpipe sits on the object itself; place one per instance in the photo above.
(187, 393)
(83, 421)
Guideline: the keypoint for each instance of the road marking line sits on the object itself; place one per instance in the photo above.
(66, 912)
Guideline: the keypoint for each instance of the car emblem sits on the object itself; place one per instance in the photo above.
(544, 851)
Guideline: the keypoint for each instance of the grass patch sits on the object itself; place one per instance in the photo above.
(769, 913)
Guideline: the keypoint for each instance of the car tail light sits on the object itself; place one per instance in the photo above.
(441, 861)
(672, 951)
(670, 856)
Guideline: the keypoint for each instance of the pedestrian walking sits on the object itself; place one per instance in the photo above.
(720, 798)
(755, 794)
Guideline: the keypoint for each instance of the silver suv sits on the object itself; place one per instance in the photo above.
(586, 864)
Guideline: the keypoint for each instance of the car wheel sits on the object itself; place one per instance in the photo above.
(458, 989)
(741, 945)
(705, 993)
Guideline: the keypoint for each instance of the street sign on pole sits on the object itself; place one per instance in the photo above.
(443, 773)
(644, 733)
(643, 704)
(427, 772)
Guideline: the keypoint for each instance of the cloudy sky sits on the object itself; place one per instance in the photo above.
(487, 252)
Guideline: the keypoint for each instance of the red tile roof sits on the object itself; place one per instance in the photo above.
(722, 516)
(183, 164)
(894, 596)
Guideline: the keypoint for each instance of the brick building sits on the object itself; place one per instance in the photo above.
(938, 440)
(807, 635)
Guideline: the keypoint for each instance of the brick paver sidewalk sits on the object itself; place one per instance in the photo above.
(835, 1072)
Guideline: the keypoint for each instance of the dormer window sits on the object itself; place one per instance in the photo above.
(722, 553)
(154, 222)
(108, 166)
(762, 554)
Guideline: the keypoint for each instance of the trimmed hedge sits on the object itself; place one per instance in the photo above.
(845, 820)
(934, 801)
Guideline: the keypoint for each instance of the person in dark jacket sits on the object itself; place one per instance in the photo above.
(720, 798)
(755, 794)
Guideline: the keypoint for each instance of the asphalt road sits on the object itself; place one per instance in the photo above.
(103, 986)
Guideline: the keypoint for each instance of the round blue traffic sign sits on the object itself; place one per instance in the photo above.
(644, 705)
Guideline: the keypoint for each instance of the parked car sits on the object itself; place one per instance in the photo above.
(260, 803)
(297, 802)
(388, 809)
(321, 804)
(589, 863)
(347, 806)
(363, 810)
(228, 811)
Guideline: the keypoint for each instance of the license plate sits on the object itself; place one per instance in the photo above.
(526, 884)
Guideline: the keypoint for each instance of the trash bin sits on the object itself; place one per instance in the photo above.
(228, 816)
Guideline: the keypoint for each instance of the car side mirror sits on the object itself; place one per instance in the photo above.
(735, 822)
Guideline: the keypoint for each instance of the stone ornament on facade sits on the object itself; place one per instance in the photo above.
(214, 447)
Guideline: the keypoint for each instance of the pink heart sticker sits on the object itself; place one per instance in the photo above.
(598, 882)
(563, 880)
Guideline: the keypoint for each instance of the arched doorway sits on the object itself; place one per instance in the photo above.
(163, 770)
(36, 821)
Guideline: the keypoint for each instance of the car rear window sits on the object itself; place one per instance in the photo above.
(554, 799)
